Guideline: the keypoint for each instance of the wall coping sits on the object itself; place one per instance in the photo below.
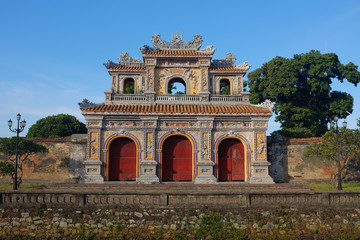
(182, 199)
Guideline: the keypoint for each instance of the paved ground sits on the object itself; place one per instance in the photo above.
(174, 187)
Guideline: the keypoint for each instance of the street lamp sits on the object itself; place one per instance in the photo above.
(335, 128)
(20, 127)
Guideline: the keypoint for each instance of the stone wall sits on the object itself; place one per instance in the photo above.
(288, 162)
(62, 163)
(239, 214)
(49, 222)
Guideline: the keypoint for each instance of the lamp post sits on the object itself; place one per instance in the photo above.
(335, 128)
(20, 127)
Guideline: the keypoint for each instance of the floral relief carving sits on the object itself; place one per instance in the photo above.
(260, 143)
(94, 144)
(204, 80)
(164, 74)
(192, 77)
(151, 79)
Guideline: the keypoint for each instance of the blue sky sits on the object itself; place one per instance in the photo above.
(51, 52)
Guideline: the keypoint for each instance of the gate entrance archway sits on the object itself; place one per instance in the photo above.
(177, 159)
(231, 162)
(122, 160)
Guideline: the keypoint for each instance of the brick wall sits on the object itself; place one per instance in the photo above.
(62, 162)
(288, 162)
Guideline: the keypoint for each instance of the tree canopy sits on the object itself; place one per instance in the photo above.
(61, 125)
(301, 89)
(25, 149)
(224, 88)
(129, 88)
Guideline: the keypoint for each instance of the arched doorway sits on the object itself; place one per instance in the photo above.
(122, 160)
(177, 159)
(176, 86)
(231, 160)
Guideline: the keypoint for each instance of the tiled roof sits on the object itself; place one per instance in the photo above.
(181, 53)
(179, 109)
(127, 68)
(226, 69)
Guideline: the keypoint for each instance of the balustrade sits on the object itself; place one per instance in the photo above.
(177, 98)
(255, 199)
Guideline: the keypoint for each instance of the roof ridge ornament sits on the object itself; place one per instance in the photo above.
(86, 104)
(124, 60)
(267, 104)
(176, 43)
(229, 62)
(245, 66)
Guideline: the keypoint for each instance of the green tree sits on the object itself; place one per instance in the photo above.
(349, 149)
(301, 90)
(61, 125)
(129, 88)
(25, 149)
(171, 87)
(224, 88)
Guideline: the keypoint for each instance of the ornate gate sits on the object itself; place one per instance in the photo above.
(231, 160)
(177, 159)
(122, 160)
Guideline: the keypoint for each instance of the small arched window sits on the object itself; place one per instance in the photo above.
(224, 87)
(129, 86)
(176, 86)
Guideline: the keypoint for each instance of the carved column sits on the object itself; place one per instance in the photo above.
(204, 79)
(150, 76)
(240, 84)
(121, 84)
(260, 165)
(148, 164)
(205, 165)
(93, 163)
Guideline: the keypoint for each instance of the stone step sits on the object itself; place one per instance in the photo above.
(133, 186)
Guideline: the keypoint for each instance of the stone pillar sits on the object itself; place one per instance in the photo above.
(92, 172)
(206, 172)
(93, 163)
(108, 95)
(149, 164)
(204, 84)
(148, 172)
(260, 173)
(205, 165)
(120, 84)
(260, 165)
(150, 76)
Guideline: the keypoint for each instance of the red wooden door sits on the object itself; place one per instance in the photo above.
(231, 160)
(177, 159)
(122, 160)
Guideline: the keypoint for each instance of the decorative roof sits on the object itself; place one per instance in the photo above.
(127, 68)
(176, 43)
(178, 53)
(226, 69)
(179, 109)
(125, 60)
(228, 64)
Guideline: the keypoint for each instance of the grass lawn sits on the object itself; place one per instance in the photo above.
(329, 187)
(22, 186)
